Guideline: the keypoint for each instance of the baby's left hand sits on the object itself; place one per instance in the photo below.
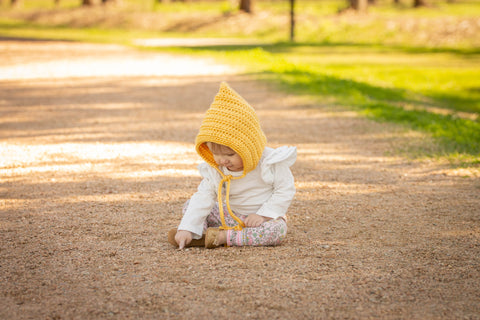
(254, 220)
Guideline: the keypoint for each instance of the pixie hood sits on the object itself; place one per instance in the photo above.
(232, 122)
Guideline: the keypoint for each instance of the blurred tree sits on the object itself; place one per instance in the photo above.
(292, 20)
(359, 5)
(419, 3)
(87, 3)
(168, 1)
(246, 5)
(14, 3)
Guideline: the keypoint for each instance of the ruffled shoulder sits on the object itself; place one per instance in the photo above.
(285, 156)
(209, 173)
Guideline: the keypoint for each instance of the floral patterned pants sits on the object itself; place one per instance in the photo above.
(269, 233)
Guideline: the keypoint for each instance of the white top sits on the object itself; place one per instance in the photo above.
(267, 190)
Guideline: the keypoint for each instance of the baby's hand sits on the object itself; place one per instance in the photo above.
(183, 238)
(254, 220)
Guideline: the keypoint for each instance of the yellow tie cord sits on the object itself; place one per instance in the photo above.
(224, 226)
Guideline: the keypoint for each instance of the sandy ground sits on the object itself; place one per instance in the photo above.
(97, 158)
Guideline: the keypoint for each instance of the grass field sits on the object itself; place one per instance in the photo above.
(416, 67)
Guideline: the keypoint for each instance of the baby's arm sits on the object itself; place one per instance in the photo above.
(283, 192)
(183, 238)
(198, 207)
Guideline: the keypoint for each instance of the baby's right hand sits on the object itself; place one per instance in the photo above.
(183, 238)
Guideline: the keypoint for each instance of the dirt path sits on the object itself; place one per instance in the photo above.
(96, 164)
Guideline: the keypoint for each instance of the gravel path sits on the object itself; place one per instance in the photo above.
(97, 158)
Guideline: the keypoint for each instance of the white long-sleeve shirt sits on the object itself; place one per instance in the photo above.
(267, 190)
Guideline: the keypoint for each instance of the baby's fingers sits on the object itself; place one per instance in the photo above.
(253, 223)
(181, 244)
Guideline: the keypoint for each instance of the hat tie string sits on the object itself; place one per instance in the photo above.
(224, 226)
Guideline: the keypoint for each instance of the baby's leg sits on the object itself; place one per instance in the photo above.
(214, 221)
(269, 233)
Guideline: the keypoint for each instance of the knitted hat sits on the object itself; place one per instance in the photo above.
(232, 122)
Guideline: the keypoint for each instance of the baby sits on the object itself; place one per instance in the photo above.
(242, 177)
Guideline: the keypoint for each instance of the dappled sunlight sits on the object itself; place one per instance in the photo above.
(305, 187)
(303, 112)
(112, 68)
(133, 177)
(332, 155)
(19, 155)
(339, 152)
(158, 173)
(113, 65)
(66, 159)
(133, 197)
(62, 172)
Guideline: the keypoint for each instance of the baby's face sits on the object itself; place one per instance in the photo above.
(228, 158)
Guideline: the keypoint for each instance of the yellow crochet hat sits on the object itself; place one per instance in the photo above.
(232, 122)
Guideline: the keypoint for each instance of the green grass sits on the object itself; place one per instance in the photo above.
(437, 93)
(416, 67)
(19, 29)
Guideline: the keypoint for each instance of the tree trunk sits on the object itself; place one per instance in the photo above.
(359, 5)
(87, 3)
(292, 20)
(246, 6)
(419, 3)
